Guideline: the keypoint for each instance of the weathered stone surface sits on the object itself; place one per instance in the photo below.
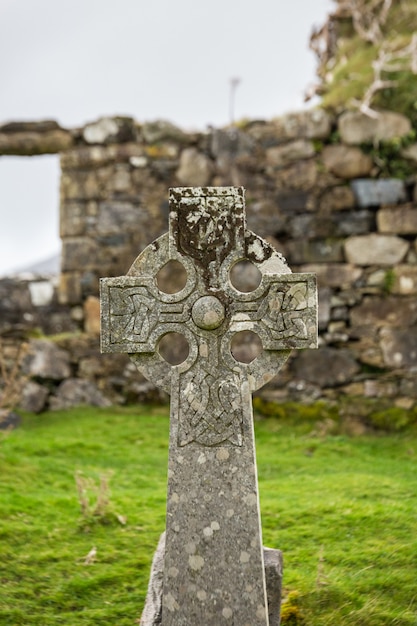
(45, 360)
(195, 168)
(312, 124)
(69, 290)
(228, 145)
(162, 130)
(92, 315)
(341, 275)
(365, 346)
(375, 249)
(370, 192)
(384, 311)
(273, 563)
(33, 398)
(400, 220)
(313, 226)
(14, 298)
(267, 217)
(79, 252)
(293, 201)
(279, 156)
(336, 199)
(327, 368)
(405, 280)
(110, 130)
(356, 128)
(346, 162)
(118, 218)
(41, 292)
(301, 175)
(43, 126)
(300, 252)
(74, 220)
(82, 185)
(152, 611)
(76, 392)
(324, 307)
(32, 143)
(399, 347)
(213, 546)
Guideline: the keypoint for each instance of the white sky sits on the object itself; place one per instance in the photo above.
(77, 60)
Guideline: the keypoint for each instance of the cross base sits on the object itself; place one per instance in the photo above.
(152, 611)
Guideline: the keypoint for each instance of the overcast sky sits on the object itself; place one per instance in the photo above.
(77, 60)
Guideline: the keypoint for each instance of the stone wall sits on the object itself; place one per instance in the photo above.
(337, 196)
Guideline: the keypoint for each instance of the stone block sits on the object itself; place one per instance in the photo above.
(81, 185)
(93, 157)
(312, 124)
(301, 175)
(399, 347)
(334, 274)
(336, 199)
(230, 144)
(293, 201)
(279, 156)
(328, 367)
(375, 249)
(356, 128)
(300, 252)
(346, 162)
(118, 218)
(266, 218)
(195, 168)
(162, 130)
(405, 280)
(79, 253)
(121, 181)
(370, 192)
(43, 126)
(73, 219)
(400, 220)
(110, 130)
(69, 290)
(316, 226)
(33, 397)
(324, 307)
(77, 392)
(30, 143)
(41, 292)
(92, 315)
(377, 311)
(46, 361)
(14, 296)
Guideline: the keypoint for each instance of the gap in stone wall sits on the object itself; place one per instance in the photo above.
(29, 210)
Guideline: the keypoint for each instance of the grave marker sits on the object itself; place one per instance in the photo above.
(214, 569)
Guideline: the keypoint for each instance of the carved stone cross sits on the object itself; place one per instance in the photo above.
(214, 571)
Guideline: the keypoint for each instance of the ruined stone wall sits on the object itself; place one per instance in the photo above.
(335, 195)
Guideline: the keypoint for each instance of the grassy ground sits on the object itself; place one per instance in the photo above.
(342, 509)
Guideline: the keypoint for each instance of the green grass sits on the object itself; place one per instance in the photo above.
(342, 509)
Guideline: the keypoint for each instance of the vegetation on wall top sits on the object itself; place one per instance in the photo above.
(367, 54)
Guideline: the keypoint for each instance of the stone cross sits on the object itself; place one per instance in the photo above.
(214, 570)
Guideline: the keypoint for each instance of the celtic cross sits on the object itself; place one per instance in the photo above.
(213, 571)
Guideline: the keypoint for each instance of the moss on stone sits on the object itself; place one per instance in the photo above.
(375, 414)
